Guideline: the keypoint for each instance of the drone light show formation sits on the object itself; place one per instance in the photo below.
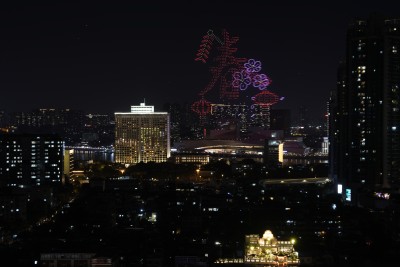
(231, 74)
(250, 76)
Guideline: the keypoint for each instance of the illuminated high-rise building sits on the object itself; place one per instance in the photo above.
(142, 135)
(68, 161)
(31, 160)
(230, 117)
(367, 113)
(261, 116)
(237, 119)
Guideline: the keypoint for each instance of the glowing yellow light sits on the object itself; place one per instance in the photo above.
(293, 241)
(280, 153)
(268, 235)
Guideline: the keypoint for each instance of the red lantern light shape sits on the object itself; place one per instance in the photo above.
(201, 107)
(265, 98)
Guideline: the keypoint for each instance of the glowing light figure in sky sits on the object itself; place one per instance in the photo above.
(261, 81)
(250, 71)
(231, 74)
(252, 66)
(241, 80)
(266, 98)
(201, 107)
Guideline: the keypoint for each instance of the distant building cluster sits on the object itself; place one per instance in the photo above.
(74, 126)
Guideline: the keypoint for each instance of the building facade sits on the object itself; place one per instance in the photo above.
(68, 162)
(366, 117)
(31, 159)
(269, 251)
(142, 135)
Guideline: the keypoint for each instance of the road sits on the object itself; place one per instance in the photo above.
(311, 180)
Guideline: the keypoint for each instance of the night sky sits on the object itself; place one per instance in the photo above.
(104, 56)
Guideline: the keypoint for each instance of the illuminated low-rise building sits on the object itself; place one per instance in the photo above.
(142, 135)
(267, 250)
(200, 159)
(204, 151)
(74, 259)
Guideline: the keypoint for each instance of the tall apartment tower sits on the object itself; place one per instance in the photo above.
(367, 113)
(175, 116)
(28, 160)
(142, 135)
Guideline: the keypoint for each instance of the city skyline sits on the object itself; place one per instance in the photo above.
(101, 58)
(150, 134)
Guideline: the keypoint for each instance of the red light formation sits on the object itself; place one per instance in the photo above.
(201, 107)
(226, 64)
(205, 47)
(227, 91)
(221, 71)
(266, 98)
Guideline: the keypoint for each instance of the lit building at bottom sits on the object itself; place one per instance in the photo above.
(267, 250)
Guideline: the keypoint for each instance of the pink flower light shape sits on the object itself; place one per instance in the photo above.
(241, 80)
(261, 81)
(252, 65)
